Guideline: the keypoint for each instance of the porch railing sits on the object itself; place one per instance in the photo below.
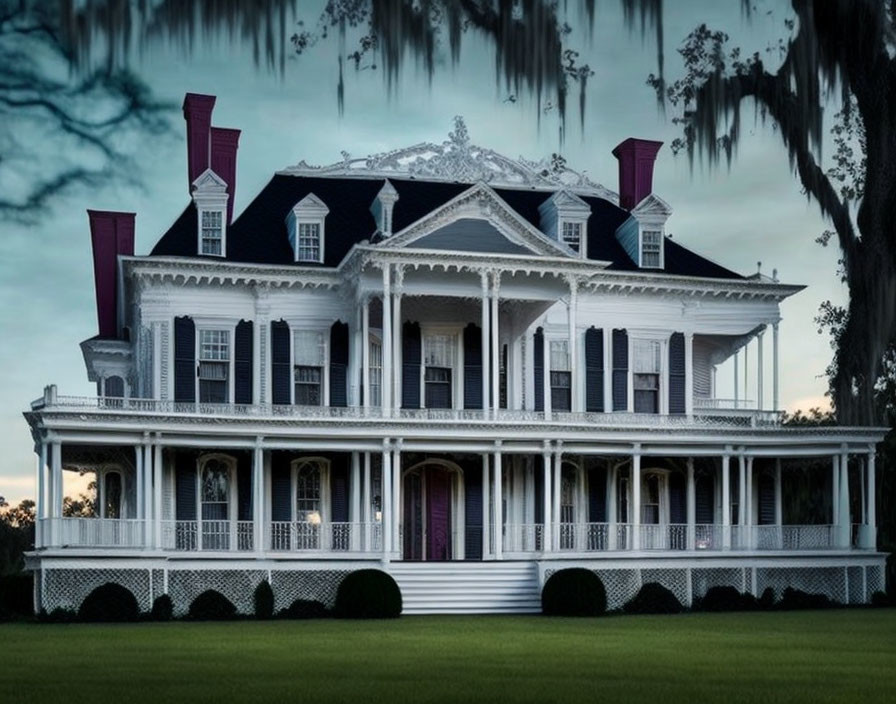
(93, 532)
(301, 535)
(208, 535)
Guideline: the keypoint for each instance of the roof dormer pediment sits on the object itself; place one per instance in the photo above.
(311, 204)
(477, 220)
(209, 182)
(652, 206)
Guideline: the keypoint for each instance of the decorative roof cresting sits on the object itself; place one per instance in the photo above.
(457, 160)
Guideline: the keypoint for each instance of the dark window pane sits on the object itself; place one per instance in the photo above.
(308, 390)
(646, 402)
(212, 391)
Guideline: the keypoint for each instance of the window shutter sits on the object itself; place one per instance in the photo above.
(339, 364)
(242, 361)
(597, 494)
(539, 489)
(676, 373)
(280, 368)
(538, 372)
(594, 370)
(339, 488)
(473, 512)
(473, 367)
(411, 353)
(704, 496)
(281, 488)
(620, 370)
(184, 360)
(766, 499)
(244, 487)
(185, 487)
(678, 509)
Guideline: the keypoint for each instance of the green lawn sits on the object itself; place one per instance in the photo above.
(834, 656)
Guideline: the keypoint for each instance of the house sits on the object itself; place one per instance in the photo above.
(466, 370)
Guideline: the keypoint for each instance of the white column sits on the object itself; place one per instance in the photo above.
(365, 352)
(396, 350)
(760, 401)
(386, 483)
(573, 345)
(496, 364)
(741, 492)
(396, 499)
(366, 518)
(157, 479)
(258, 529)
(689, 373)
(486, 508)
(56, 490)
(835, 490)
(386, 383)
(486, 336)
(499, 515)
(138, 468)
(612, 516)
(748, 513)
(844, 532)
(691, 504)
(355, 360)
(608, 369)
(555, 511)
(746, 371)
(736, 380)
(779, 502)
(147, 492)
(775, 367)
(635, 519)
(726, 500)
(355, 486)
(871, 541)
(546, 376)
(547, 541)
(40, 511)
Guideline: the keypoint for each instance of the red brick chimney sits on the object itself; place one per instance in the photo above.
(224, 143)
(111, 234)
(198, 114)
(636, 157)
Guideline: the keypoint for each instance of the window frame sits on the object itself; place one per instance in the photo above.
(209, 325)
(324, 468)
(311, 210)
(220, 213)
(651, 229)
(661, 338)
(376, 380)
(457, 369)
(581, 224)
(301, 222)
(230, 463)
(324, 336)
(568, 371)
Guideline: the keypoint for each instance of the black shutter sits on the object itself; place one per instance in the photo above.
(677, 498)
(339, 364)
(280, 371)
(539, 489)
(411, 353)
(339, 488)
(281, 485)
(185, 487)
(594, 370)
(242, 360)
(184, 360)
(473, 513)
(538, 372)
(766, 499)
(705, 500)
(473, 367)
(676, 373)
(244, 487)
(597, 494)
(620, 370)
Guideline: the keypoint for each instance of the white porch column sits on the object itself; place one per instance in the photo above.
(147, 491)
(748, 513)
(141, 487)
(835, 490)
(387, 517)
(574, 384)
(844, 527)
(546, 376)
(726, 499)
(689, 374)
(635, 518)
(759, 364)
(157, 479)
(486, 509)
(396, 340)
(741, 496)
(55, 490)
(355, 360)
(691, 505)
(547, 540)
(555, 495)
(736, 380)
(396, 499)
(40, 509)
(612, 515)
(366, 518)
(496, 351)
(355, 486)
(499, 513)
(746, 372)
(365, 352)
(779, 501)
(608, 369)
(386, 383)
(486, 336)
(258, 530)
(775, 366)
(871, 520)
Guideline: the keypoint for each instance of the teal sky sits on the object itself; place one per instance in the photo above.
(753, 212)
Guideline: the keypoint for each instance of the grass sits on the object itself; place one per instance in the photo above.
(830, 656)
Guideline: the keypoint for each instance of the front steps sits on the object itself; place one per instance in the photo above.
(467, 587)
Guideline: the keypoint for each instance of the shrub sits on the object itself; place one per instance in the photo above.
(573, 592)
(264, 600)
(211, 605)
(58, 615)
(798, 600)
(653, 598)
(767, 600)
(368, 594)
(162, 608)
(304, 609)
(109, 602)
(16, 596)
(880, 600)
(726, 599)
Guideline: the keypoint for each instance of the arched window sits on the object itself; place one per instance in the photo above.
(308, 491)
(112, 495)
(651, 502)
(215, 501)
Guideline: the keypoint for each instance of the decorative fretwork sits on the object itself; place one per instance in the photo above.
(67, 588)
(830, 581)
(237, 585)
(620, 585)
(158, 583)
(310, 585)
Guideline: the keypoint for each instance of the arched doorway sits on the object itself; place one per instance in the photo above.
(432, 520)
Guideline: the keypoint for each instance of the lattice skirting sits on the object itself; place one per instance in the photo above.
(67, 588)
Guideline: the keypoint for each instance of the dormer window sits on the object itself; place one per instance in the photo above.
(651, 248)
(305, 225)
(572, 235)
(641, 235)
(212, 234)
(564, 217)
(210, 198)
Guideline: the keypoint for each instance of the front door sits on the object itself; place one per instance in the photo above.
(427, 515)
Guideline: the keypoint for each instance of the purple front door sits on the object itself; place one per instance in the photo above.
(438, 515)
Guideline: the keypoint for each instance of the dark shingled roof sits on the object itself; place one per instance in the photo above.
(259, 234)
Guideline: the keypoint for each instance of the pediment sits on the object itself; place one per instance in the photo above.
(567, 201)
(312, 205)
(209, 182)
(652, 206)
(477, 220)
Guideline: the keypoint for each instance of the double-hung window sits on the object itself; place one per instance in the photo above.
(651, 242)
(214, 366)
(646, 373)
(308, 369)
(438, 360)
(308, 247)
(561, 376)
(212, 232)
(571, 233)
(376, 373)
